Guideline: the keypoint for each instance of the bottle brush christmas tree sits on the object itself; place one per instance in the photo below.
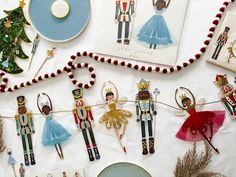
(11, 34)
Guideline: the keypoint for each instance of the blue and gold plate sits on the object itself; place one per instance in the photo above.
(59, 29)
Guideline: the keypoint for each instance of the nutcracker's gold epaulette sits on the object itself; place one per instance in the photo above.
(17, 116)
(88, 108)
(29, 114)
(74, 110)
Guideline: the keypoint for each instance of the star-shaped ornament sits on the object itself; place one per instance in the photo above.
(8, 23)
(22, 4)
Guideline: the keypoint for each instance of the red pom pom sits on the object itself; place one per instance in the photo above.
(78, 54)
(203, 49)
(219, 16)
(34, 81)
(191, 60)
(74, 81)
(46, 76)
(210, 35)
(212, 29)
(80, 85)
(129, 65)
(157, 69)
(53, 75)
(68, 70)
(86, 65)
(86, 86)
(96, 57)
(79, 65)
(185, 64)
(102, 59)
(222, 9)
(15, 87)
(172, 69)
(93, 76)
(115, 62)
(122, 63)
(215, 22)
(198, 56)
(65, 68)
(109, 60)
(85, 54)
(22, 85)
(40, 78)
(136, 67)
(143, 68)
(206, 42)
(91, 82)
(226, 3)
(91, 69)
(91, 55)
(28, 83)
(149, 69)
(164, 71)
(178, 67)
(9, 89)
(70, 63)
(58, 71)
(73, 57)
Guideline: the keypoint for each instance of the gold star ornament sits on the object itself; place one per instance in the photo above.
(22, 3)
(8, 23)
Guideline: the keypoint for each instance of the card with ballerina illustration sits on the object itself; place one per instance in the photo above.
(223, 50)
(144, 30)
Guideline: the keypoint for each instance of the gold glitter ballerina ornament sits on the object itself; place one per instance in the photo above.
(115, 118)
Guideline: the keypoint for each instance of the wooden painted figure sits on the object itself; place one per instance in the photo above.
(25, 128)
(84, 121)
(22, 170)
(221, 41)
(53, 132)
(145, 110)
(227, 94)
(123, 16)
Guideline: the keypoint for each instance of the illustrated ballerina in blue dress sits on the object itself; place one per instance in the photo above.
(53, 133)
(155, 31)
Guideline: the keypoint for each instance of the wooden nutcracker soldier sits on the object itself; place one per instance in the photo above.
(25, 127)
(123, 16)
(83, 119)
(221, 41)
(227, 94)
(145, 110)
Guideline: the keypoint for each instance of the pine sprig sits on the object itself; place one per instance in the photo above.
(193, 164)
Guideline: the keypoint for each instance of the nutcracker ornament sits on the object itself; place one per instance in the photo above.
(125, 10)
(115, 117)
(84, 121)
(25, 128)
(53, 133)
(227, 94)
(145, 111)
(200, 125)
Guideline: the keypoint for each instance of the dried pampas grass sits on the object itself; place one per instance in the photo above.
(193, 164)
(2, 147)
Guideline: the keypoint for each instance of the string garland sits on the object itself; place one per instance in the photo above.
(104, 104)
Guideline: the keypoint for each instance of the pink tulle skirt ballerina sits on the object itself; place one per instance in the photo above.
(200, 125)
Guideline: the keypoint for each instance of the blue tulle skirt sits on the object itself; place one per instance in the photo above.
(53, 133)
(155, 31)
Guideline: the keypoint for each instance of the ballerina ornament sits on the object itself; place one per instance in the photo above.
(114, 118)
(200, 125)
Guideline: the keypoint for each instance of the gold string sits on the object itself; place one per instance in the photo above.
(103, 104)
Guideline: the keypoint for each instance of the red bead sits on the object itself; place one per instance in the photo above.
(109, 60)
(129, 65)
(40, 78)
(210, 35)
(91, 55)
(15, 87)
(86, 86)
(143, 68)
(86, 65)
(9, 89)
(172, 69)
(122, 63)
(164, 71)
(115, 62)
(46, 76)
(5, 80)
(34, 81)
(80, 85)
(72, 67)
(136, 67)
(53, 75)
(226, 3)
(65, 68)
(70, 63)
(102, 59)
(22, 85)
(58, 71)
(2, 89)
(2, 74)
(73, 57)
(71, 76)
(157, 69)
(91, 82)
(78, 54)
(79, 65)
(185, 64)
(85, 54)
(206, 42)
(149, 69)
(219, 16)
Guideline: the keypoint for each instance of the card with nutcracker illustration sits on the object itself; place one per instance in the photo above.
(223, 50)
(143, 30)
(63, 173)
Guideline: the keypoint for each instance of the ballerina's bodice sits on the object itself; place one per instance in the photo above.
(192, 111)
(112, 106)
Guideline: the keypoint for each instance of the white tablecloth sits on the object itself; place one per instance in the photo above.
(198, 77)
